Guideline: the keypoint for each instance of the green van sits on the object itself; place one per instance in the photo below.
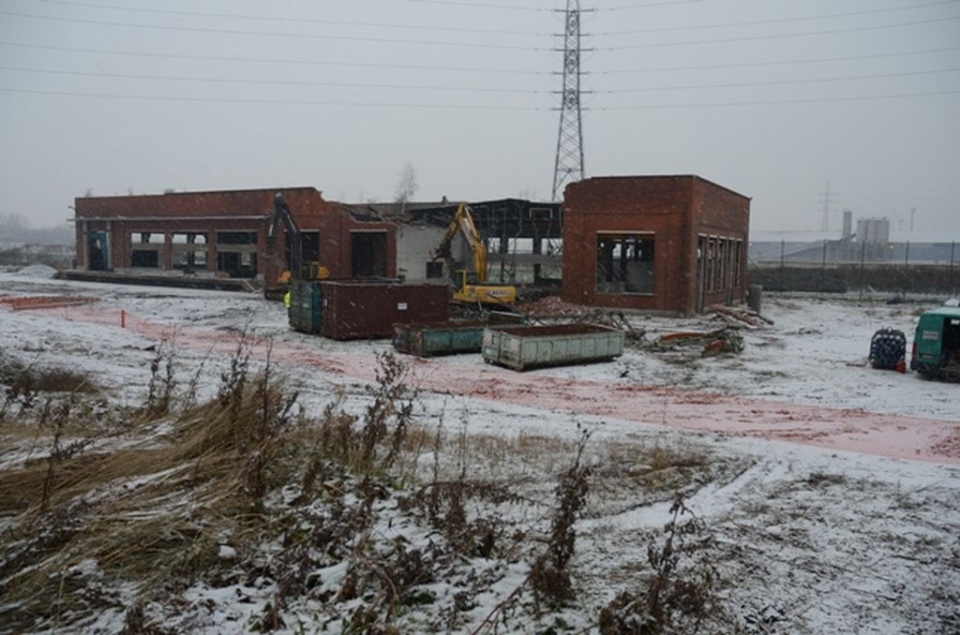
(936, 344)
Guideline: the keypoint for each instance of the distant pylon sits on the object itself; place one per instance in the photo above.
(827, 202)
(568, 165)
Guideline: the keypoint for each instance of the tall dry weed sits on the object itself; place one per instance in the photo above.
(550, 575)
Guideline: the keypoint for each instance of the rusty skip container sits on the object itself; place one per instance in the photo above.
(439, 338)
(523, 347)
(356, 309)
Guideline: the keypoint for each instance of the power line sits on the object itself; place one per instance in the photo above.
(778, 102)
(781, 36)
(818, 60)
(277, 101)
(463, 69)
(778, 20)
(280, 82)
(647, 5)
(457, 69)
(484, 5)
(225, 80)
(267, 60)
(455, 44)
(781, 82)
(481, 5)
(234, 16)
(350, 38)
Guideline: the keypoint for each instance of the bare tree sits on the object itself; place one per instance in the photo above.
(12, 223)
(407, 186)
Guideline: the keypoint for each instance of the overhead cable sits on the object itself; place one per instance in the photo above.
(497, 107)
(279, 82)
(288, 20)
(307, 36)
(268, 60)
(726, 25)
(780, 36)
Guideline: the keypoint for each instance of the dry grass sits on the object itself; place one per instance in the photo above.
(23, 379)
(242, 470)
(143, 513)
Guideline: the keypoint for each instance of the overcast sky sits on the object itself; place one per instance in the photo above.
(776, 99)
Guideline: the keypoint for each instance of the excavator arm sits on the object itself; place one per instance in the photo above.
(472, 291)
(479, 249)
(463, 222)
(281, 214)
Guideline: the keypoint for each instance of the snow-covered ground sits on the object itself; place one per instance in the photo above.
(834, 494)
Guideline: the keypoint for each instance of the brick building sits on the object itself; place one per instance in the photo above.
(672, 244)
(224, 234)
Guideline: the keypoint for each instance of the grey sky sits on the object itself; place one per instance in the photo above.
(772, 98)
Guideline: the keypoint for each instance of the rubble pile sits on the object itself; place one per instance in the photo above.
(679, 344)
(553, 306)
(724, 340)
(739, 317)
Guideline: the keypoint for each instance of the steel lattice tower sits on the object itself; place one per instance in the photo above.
(568, 165)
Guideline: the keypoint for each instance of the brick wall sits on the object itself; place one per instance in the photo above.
(241, 210)
(674, 209)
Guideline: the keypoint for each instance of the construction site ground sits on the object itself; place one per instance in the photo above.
(847, 508)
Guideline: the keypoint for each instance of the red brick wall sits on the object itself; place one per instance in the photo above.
(721, 212)
(195, 212)
(674, 208)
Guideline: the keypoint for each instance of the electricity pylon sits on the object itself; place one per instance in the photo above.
(568, 166)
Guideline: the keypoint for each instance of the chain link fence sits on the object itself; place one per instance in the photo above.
(887, 272)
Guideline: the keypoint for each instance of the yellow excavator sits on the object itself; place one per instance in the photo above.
(471, 286)
(295, 267)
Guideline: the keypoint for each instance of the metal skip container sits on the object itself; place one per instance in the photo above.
(524, 347)
(305, 306)
(368, 310)
(439, 338)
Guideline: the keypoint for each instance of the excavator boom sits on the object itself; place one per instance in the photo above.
(294, 261)
(467, 291)
(281, 214)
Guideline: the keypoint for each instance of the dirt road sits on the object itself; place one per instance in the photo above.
(840, 429)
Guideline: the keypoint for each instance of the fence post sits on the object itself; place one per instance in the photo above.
(823, 265)
(906, 271)
(953, 284)
(863, 254)
(782, 248)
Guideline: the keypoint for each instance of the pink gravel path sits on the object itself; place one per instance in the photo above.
(840, 429)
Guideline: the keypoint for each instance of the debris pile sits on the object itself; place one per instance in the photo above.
(710, 343)
(617, 320)
(553, 310)
(553, 306)
(726, 339)
(739, 317)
